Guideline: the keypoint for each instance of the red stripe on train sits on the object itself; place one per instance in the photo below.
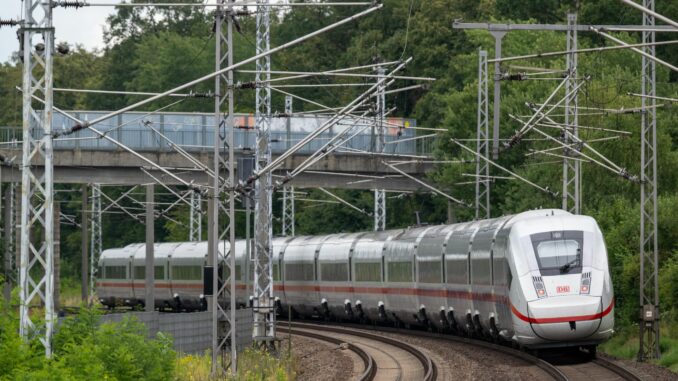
(339, 289)
(393, 291)
(562, 319)
(197, 286)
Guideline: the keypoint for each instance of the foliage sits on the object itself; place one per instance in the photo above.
(625, 344)
(252, 366)
(85, 349)
(153, 49)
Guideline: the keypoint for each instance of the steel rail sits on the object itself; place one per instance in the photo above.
(625, 373)
(430, 368)
(548, 368)
(370, 370)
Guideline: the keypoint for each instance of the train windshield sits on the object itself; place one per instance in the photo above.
(558, 252)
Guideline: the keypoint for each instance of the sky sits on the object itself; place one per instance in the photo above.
(83, 26)
(75, 26)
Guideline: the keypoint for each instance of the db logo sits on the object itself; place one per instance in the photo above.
(562, 289)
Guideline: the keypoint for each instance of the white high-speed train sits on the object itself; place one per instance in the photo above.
(539, 278)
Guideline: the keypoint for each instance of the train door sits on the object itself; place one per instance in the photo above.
(481, 276)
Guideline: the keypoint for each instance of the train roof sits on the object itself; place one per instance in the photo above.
(193, 249)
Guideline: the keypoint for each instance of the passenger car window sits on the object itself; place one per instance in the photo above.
(367, 272)
(400, 271)
(186, 272)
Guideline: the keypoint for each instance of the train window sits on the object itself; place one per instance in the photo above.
(334, 272)
(400, 271)
(299, 271)
(558, 252)
(115, 272)
(429, 270)
(140, 272)
(367, 272)
(159, 272)
(100, 272)
(238, 272)
(186, 272)
(276, 272)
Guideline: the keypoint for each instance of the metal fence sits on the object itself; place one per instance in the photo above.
(194, 132)
(191, 332)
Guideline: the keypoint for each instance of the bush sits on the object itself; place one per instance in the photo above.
(85, 349)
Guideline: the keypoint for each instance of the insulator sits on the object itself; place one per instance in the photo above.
(70, 4)
(513, 77)
(247, 85)
(9, 22)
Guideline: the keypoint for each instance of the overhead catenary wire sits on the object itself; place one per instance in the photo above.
(543, 189)
(586, 50)
(124, 147)
(644, 54)
(651, 13)
(84, 3)
(428, 186)
(333, 73)
(246, 61)
(527, 126)
(339, 116)
(653, 97)
(341, 200)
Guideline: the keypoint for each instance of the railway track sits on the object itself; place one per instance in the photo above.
(383, 358)
(369, 367)
(570, 366)
(576, 366)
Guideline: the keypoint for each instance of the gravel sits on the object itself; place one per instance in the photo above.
(462, 361)
(646, 371)
(321, 361)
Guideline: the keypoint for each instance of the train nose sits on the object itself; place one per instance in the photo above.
(572, 317)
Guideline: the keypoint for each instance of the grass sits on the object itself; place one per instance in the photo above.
(252, 366)
(624, 344)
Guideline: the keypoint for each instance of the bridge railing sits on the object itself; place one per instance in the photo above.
(194, 132)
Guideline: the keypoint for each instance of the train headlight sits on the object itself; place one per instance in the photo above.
(585, 286)
(539, 286)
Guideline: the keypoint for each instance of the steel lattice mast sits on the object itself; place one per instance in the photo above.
(380, 112)
(96, 237)
(571, 168)
(649, 279)
(222, 239)
(195, 218)
(36, 274)
(264, 316)
(482, 145)
(9, 219)
(288, 190)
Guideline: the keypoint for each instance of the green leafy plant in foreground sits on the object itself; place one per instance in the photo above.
(85, 349)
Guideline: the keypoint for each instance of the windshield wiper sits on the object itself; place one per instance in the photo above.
(566, 267)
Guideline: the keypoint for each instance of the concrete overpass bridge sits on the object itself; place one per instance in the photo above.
(86, 158)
